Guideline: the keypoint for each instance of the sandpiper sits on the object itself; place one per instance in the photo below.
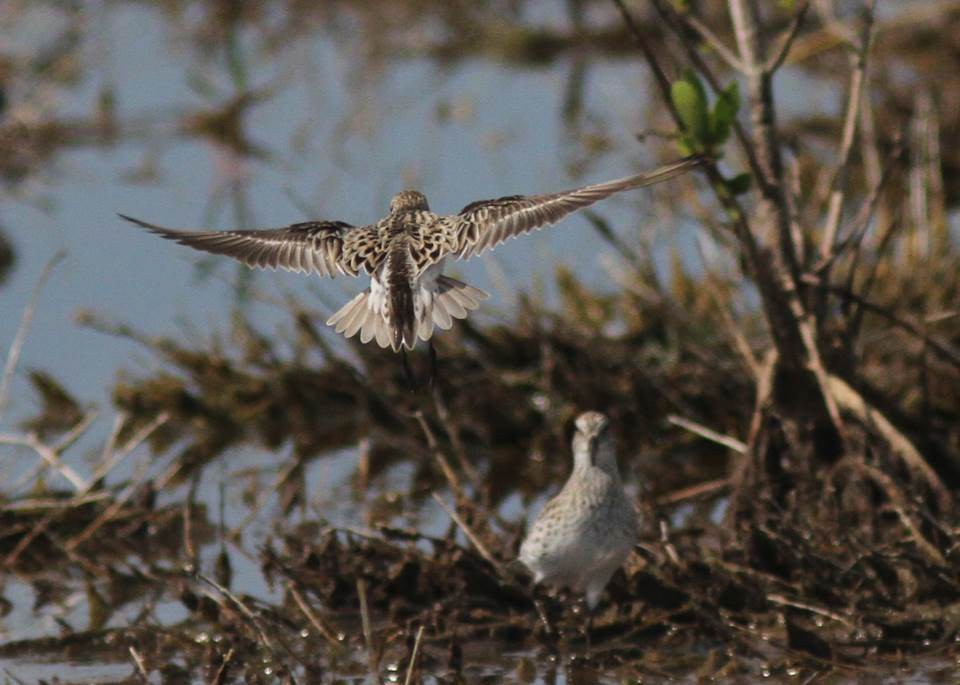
(586, 532)
(404, 253)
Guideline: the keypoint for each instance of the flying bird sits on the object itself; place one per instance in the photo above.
(404, 253)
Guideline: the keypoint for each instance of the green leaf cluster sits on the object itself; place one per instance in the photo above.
(705, 129)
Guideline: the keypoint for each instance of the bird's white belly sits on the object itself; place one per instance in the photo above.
(378, 292)
(579, 549)
(427, 279)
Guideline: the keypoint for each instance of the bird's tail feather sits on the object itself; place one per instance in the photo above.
(358, 315)
(453, 299)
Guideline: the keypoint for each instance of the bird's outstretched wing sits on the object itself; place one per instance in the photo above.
(326, 247)
(483, 225)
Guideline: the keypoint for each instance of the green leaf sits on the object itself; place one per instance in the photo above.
(691, 102)
(724, 113)
(687, 146)
(691, 76)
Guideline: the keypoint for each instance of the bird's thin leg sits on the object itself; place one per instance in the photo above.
(550, 634)
(589, 629)
(542, 613)
(411, 379)
(433, 379)
(582, 609)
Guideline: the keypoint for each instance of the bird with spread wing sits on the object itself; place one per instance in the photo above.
(404, 253)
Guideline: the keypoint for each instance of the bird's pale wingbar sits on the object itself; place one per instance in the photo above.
(483, 225)
(324, 247)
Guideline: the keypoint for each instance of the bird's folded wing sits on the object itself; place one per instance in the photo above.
(326, 247)
(483, 225)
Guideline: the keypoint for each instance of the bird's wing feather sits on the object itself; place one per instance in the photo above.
(326, 247)
(483, 225)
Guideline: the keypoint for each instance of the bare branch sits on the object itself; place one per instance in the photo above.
(853, 402)
(139, 664)
(243, 608)
(820, 611)
(886, 239)
(413, 657)
(773, 210)
(311, 616)
(861, 222)
(49, 455)
(736, 335)
(741, 470)
(708, 434)
(713, 40)
(367, 629)
(107, 514)
(443, 414)
(786, 42)
(221, 674)
(902, 506)
(76, 432)
(776, 271)
(851, 118)
(16, 347)
(448, 473)
(915, 329)
(815, 363)
(661, 77)
(713, 488)
(471, 536)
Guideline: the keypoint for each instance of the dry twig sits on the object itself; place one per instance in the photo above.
(311, 616)
(708, 434)
(139, 664)
(16, 346)
(413, 657)
(367, 628)
(471, 536)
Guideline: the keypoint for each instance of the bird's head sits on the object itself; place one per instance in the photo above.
(592, 423)
(407, 200)
(593, 442)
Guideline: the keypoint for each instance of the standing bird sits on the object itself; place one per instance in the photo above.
(586, 532)
(404, 253)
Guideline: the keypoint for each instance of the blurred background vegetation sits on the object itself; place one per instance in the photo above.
(776, 340)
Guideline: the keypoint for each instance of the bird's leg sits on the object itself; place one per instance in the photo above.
(433, 378)
(411, 379)
(542, 613)
(583, 608)
(589, 629)
(550, 634)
